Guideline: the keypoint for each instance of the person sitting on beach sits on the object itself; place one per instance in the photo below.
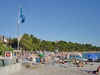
(98, 71)
(80, 64)
(76, 62)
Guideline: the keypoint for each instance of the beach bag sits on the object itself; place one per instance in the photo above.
(38, 60)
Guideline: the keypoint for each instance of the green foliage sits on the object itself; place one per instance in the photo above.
(47, 45)
(14, 43)
(29, 42)
(3, 48)
(36, 42)
(9, 48)
(26, 42)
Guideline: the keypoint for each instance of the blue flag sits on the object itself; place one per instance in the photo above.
(21, 17)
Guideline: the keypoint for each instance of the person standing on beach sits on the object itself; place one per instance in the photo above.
(41, 56)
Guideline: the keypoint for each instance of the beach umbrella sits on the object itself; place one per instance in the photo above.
(91, 56)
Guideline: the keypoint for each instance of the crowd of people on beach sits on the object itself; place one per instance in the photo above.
(44, 57)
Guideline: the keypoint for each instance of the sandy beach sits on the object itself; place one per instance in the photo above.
(58, 69)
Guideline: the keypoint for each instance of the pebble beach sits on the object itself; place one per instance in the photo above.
(59, 69)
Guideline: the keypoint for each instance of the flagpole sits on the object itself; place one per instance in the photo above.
(18, 24)
(18, 36)
(20, 15)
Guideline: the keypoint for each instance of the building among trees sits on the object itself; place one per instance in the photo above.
(4, 39)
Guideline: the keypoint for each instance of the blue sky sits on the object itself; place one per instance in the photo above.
(77, 21)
